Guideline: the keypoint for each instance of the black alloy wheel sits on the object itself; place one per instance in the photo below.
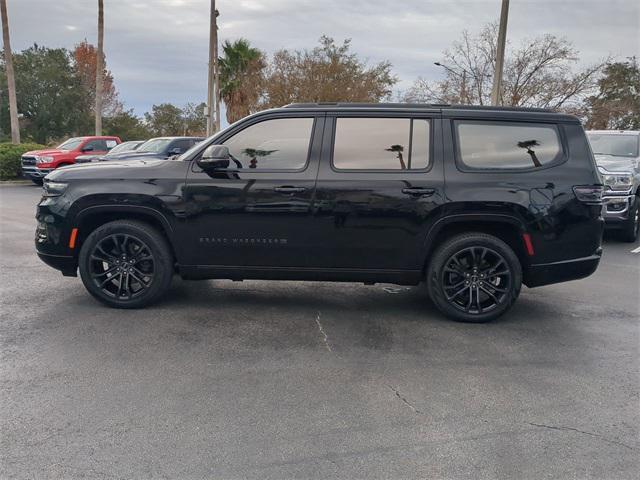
(126, 264)
(476, 280)
(474, 277)
(122, 266)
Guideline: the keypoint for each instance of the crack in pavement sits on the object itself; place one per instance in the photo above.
(324, 335)
(404, 400)
(551, 427)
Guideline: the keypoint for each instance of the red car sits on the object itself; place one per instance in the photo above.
(37, 163)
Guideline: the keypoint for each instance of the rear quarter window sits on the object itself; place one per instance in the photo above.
(484, 145)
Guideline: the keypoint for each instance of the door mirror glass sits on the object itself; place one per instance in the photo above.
(88, 148)
(215, 157)
(175, 151)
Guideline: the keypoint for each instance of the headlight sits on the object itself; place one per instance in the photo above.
(44, 159)
(54, 189)
(620, 182)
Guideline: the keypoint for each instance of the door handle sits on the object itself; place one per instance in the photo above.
(289, 189)
(417, 191)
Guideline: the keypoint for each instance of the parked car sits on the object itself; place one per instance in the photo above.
(475, 201)
(38, 163)
(617, 154)
(160, 147)
(128, 146)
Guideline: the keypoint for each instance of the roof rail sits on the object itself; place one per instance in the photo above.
(413, 106)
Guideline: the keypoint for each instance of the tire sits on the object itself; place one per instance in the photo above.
(37, 181)
(126, 264)
(479, 296)
(629, 232)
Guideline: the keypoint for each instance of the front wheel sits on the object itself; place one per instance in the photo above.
(629, 232)
(474, 277)
(126, 264)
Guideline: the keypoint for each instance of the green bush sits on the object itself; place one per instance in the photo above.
(10, 158)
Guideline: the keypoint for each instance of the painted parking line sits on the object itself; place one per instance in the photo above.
(636, 250)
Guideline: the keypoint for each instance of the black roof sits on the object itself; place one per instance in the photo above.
(444, 108)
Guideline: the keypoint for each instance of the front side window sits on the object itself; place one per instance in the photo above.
(277, 144)
(381, 144)
(96, 145)
(502, 145)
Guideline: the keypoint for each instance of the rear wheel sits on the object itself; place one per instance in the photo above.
(126, 264)
(629, 232)
(474, 277)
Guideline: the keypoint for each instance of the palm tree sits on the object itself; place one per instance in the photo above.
(11, 80)
(398, 149)
(100, 68)
(241, 77)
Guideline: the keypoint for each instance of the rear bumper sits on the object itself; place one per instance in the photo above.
(556, 272)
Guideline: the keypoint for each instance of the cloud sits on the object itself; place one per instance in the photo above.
(158, 49)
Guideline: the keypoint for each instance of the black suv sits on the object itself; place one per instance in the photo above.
(473, 200)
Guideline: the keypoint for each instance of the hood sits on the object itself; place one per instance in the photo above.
(50, 151)
(111, 170)
(616, 164)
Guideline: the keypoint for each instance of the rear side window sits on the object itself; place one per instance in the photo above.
(279, 144)
(504, 145)
(381, 144)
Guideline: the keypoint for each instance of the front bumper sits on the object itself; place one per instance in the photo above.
(616, 209)
(35, 172)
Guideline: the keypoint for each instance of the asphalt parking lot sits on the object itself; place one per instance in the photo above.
(272, 380)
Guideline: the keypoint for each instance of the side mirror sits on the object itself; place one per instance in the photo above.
(88, 148)
(176, 151)
(215, 157)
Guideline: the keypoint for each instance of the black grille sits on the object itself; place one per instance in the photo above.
(27, 160)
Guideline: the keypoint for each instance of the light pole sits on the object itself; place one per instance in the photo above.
(463, 81)
(213, 114)
(496, 91)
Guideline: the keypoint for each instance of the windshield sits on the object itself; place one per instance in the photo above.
(155, 145)
(123, 147)
(615, 145)
(71, 144)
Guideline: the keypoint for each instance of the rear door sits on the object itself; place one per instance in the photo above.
(257, 212)
(380, 186)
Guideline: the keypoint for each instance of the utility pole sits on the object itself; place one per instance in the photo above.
(496, 91)
(11, 80)
(213, 110)
(100, 68)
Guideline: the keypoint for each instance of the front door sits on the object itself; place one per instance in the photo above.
(379, 189)
(257, 212)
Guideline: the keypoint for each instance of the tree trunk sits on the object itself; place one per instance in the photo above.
(99, 68)
(11, 80)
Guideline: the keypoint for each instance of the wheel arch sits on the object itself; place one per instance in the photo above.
(90, 218)
(508, 228)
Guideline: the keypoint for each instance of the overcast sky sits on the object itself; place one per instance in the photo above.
(157, 49)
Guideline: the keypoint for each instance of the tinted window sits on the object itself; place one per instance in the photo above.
(281, 144)
(507, 145)
(381, 144)
(98, 145)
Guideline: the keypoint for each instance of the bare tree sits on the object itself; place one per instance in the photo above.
(100, 68)
(11, 81)
(538, 73)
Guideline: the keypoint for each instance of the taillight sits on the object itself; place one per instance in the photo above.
(590, 194)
